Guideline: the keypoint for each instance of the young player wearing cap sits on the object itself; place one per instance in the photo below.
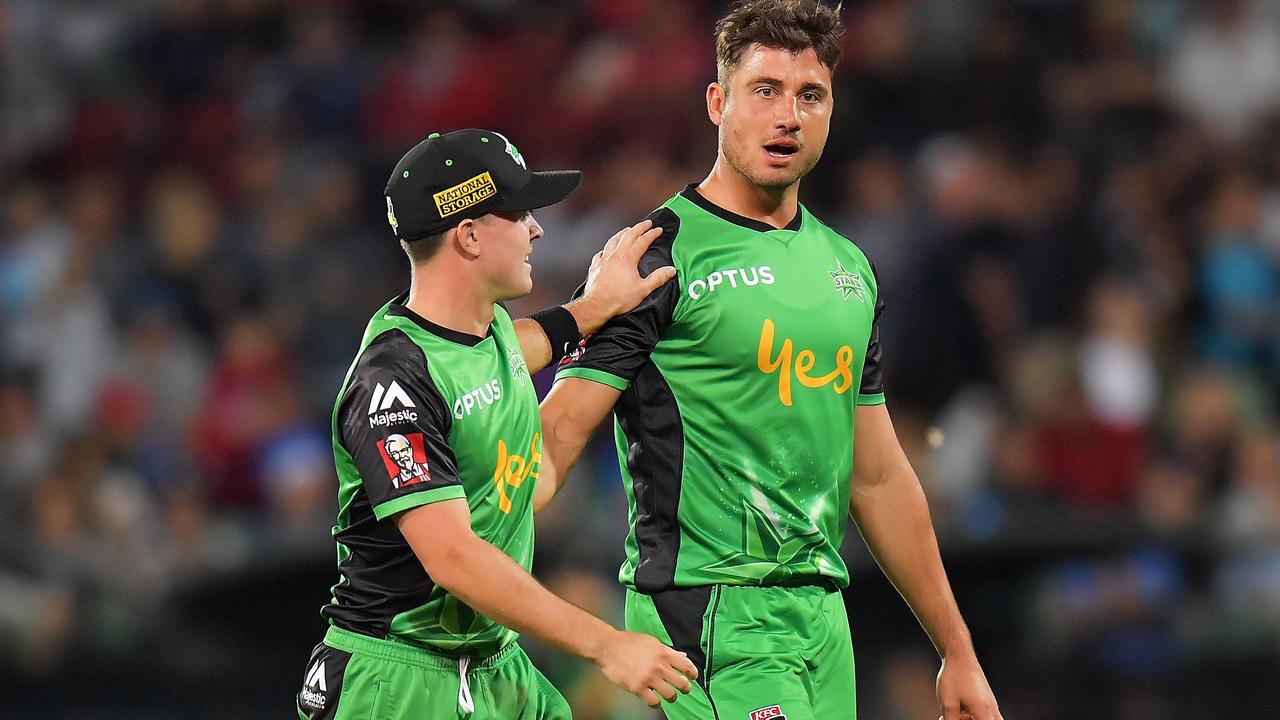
(437, 442)
(750, 415)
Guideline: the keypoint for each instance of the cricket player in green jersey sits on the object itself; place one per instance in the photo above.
(437, 442)
(750, 413)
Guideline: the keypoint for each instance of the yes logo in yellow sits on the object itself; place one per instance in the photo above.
(512, 470)
(788, 362)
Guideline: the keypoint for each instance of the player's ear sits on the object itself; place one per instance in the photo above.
(715, 103)
(465, 240)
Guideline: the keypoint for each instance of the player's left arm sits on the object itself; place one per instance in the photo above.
(889, 506)
(614, 286)
(892, 514)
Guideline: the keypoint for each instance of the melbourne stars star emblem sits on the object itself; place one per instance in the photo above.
(847, 282)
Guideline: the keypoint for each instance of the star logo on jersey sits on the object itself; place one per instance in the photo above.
(849, 283)
(518, 369)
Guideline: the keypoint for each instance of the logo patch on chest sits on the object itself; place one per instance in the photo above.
(518, 369)
(849, 283)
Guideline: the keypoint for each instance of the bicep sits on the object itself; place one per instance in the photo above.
(876, 451)
(534, 344)
(437, 533)
(574, 408)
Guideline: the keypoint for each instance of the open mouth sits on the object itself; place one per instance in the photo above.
(782, 148)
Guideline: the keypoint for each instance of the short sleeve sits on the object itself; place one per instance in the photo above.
(614, 355)
(871, 391)
(394, 422)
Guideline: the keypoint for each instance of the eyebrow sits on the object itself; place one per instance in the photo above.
(775, 83)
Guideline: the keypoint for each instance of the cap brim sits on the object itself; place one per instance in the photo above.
(543, 189)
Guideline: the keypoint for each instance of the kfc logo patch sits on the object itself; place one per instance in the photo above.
(773, 712)
(577, 353)
(406, 458)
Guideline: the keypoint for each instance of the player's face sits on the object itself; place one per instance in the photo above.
(506, 240)
(403, 456)
(774, 115)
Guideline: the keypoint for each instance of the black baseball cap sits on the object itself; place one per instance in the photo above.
(465, 174)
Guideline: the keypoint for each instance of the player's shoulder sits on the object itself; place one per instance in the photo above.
(839, 238)
(659, 253)
(392, 349)
(391, 369)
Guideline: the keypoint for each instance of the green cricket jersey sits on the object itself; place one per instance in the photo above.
(739, 382)
(429, 414)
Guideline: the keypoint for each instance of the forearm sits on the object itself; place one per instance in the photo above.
(537, 343)
(562, 444)
(570, 414)
(893, 516)
(492, 584)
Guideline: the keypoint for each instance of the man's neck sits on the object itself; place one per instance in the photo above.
(450, 300)
(727, 188)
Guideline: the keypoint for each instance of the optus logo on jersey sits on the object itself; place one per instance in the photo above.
(804, 361)
(733, 277)
(477, 399)
(513, 470)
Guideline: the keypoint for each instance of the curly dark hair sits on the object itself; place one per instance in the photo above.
(794, 25)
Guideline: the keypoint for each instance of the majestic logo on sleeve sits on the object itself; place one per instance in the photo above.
(512, 470)
(382, 402)
(406, 459)
(787, 362)
(849, 283)
(773, 712)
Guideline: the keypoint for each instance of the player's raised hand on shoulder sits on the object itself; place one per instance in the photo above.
(614, 283)
(963, 691)
(646, 668)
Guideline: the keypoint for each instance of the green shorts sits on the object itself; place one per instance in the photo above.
(356, 677)
(763, 653)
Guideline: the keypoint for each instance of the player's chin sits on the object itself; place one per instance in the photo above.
(775, 178)
(523, 284)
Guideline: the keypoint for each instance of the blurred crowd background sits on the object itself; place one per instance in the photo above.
(1074, 207)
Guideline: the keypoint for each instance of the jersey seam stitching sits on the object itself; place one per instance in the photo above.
(711, 642)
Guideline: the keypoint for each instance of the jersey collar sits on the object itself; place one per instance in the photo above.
(691, 194)
(398, 309)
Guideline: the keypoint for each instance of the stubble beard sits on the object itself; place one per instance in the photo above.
(772, 182)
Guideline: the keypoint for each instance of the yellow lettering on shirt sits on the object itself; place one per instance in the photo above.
(512, 470)
(804, 362)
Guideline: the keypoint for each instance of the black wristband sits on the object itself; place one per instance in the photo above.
(561, 330)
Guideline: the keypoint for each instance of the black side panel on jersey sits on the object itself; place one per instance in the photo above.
(381, 577)
(621, 348)
(650, 420)
(648, 414)
(872, 378)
